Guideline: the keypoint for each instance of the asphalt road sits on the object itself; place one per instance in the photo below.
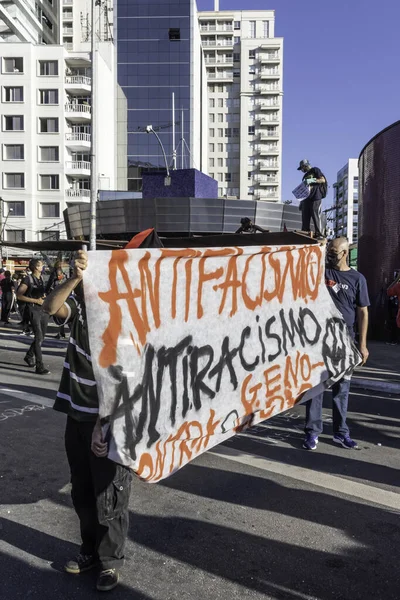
(255, 518)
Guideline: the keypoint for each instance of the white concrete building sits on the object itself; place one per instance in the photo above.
(244, 73)
(76, 22)
(46, 117)
(35, 21)
(345, 209)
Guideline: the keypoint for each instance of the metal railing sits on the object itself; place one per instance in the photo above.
(217, 43)
(267, 164)
(263, 179)
(78, 80)
(78, 108)
(216, 28)
(78, 165)
(227, 75)
(273, 119)
(268, 56)
(73, 193)
(78, 137)
(214, 61)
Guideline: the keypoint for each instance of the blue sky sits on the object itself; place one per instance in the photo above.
(341, 77)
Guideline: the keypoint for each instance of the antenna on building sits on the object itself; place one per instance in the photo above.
(216, 5)
(173, 134)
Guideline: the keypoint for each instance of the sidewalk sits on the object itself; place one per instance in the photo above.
(382, 371)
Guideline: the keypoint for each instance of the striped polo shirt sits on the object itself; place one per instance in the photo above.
(77, 394)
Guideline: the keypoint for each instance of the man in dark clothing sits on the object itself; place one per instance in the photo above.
(311, 206)
(32, 292)
(7, 286)
(348, 290)
(100, 487)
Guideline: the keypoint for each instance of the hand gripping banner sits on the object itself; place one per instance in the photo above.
(190, 346)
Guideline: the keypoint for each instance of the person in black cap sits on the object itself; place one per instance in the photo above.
(311, 206)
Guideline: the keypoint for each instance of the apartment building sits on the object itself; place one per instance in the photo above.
(345, 208)
(76, 19)
(34, 21)
(46, 119)
(244, 61)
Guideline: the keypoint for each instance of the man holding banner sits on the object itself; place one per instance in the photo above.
(100, 487)
(348, 290)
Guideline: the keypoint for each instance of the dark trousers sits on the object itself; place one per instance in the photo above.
(100, 495)
(340, 398)
(6, 304)
(311, 210)
(39, 320)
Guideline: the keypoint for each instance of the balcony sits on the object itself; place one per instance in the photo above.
(217, 43)
(78, 113)
(67, 2)
(269, 74)
(218, 61)
(78, 142)
(77, 194)
(260, 105)
(267, 165)
(212, 28)
(222, 76)
(77, 84)
(68, 30)
(268, 58)
(273, 118)
(78, 168)
(265, 197)
(267, 89)
(268, 135)
(263, 180)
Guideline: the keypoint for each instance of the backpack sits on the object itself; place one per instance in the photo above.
(324, 188)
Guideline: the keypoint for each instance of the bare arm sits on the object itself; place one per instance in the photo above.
(362, 320)
(390, 290)
(54, 303)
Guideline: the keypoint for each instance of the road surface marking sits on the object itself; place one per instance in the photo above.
(34, 398)
(362, 491)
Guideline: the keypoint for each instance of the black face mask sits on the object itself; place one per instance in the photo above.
(333, 260)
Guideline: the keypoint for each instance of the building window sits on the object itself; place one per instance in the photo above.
(48, 96)
(13, 65)
(175, 34)
(48, 68)
(236, 73)
(13, 94)
(220, 162)
(13, 123)
(49, 210)
(220, 102)
(15, 235)
(48, 125)
(14, 209)
(220, 132)
(265, 29)
(251, 130)
(49, 236)
(210, 162)
(236, 132)
(49, 182)
(220, 147)
(236, 39)
(236, 57)
(211, 102)
(252, 53)
(249, 174)
(252, 70)
(236, 25)
(220, 176)
(221, 89)
(211, 133)
(220, 116)
(13, 181)
(49, 154)
(211, 147)
(228, 177)
(211, 117)
(228, 132)
(13, 152)
(252, 29)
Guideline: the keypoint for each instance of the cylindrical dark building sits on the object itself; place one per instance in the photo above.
(379, 220)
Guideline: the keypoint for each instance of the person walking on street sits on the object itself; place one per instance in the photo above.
(348, 290)
(57, 277)
(393, 293)
(32, 292)
(311, 206)
(100, 487)
(7, 286)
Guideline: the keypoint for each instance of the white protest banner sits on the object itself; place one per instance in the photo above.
(189, 346)
(301, 192)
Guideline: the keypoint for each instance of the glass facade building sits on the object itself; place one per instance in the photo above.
(159, 53)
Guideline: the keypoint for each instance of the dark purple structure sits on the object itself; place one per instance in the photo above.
(185, 183)
(379, 220)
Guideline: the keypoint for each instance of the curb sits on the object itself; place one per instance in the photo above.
(390, 387)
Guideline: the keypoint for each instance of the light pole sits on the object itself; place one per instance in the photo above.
(2, 227)
(167, 180)
(93, 157)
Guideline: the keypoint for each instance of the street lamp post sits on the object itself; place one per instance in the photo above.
(2, 227)
(167, 180)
